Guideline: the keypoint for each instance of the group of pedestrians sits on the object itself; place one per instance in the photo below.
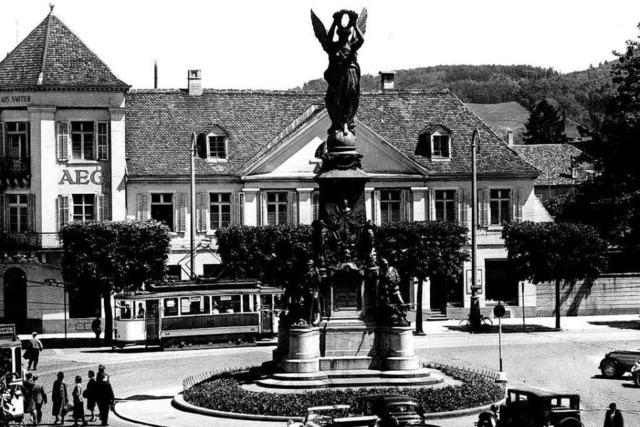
(97, 392)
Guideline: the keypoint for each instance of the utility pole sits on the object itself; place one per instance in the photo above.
(474, 311)
(192, 231)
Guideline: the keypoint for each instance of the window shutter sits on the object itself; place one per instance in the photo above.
(99, 206)
(64, 212)
(480, 220)
(63, 140)
(31, 211)
(2, 140)
(237, 207)
(201, 224)
(142, 204)
(517, 204)
(377, 214)
(102, 141)
(262, 208)
(405, 205)
(181, 207)
(315, 204)
(430, 198)
(462, 207)
(424, 145)
(484, 207)
(3, 215)
(106, 207)
(292, 202)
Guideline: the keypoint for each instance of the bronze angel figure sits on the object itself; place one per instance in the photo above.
(343, 72)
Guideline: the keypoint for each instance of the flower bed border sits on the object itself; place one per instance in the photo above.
(180, 402)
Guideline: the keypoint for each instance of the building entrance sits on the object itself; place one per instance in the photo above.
(15, 298)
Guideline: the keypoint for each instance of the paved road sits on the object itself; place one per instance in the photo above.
(566, 360)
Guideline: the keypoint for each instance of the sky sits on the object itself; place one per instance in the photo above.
(260, 44)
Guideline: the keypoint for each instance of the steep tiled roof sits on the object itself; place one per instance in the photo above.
(555, 162)
(160, 122)
(52, 57)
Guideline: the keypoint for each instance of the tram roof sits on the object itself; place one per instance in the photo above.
(194, 291)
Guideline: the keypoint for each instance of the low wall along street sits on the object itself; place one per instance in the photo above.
(608, 294)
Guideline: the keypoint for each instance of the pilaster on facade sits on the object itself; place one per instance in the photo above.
(117, 158)
(250, 213)
(43, 167)
(305, 205)
(419, 197)
(368, 203)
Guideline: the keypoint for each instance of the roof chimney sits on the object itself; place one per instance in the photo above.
(195, 82)
(387, 80)
(155, 74)
(509, 137)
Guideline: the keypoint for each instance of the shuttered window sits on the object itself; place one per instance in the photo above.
(18, 211)
(500, 206)
(445, 205)
(84, 207)
(219, 210)
(82, 140)
(162, 209)
(390, 202)
(277, 208)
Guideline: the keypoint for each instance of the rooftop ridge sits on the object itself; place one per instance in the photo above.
(23, 41)
(45, 48)
(290, 92)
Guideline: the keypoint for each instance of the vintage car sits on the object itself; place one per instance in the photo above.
(394, 410)
(532, 407)
(334, 415)
(616, 363)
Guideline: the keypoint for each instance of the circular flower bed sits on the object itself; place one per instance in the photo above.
(224, 393)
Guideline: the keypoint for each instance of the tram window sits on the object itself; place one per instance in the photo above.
(229, 304)
(215, 305)
(140, 311)
(246, 307)
(265, 302)
(123, 310)
(17, 357)
(277, 299)
(171, 307)
(194, 305)
(5, 361)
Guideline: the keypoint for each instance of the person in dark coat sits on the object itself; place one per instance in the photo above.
(60, 398)
(29, 403)
(39, 398)
(78, 402)
(104, 398)
(91, 394)
(96, 327)
(613, 417)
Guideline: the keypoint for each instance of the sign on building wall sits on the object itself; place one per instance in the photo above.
(81, 177)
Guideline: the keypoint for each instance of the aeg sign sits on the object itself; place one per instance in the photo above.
(81, 177)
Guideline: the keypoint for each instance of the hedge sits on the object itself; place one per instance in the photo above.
(223, 392)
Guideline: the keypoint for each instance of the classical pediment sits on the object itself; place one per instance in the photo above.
(295, 156)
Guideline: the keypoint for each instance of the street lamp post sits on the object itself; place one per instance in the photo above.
(192, 202)
(474, 311)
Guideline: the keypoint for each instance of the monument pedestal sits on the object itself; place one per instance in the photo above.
(304, 351)
(395, 346)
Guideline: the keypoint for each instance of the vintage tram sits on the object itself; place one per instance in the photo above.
(181, 313)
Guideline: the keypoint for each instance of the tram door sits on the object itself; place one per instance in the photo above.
(266, 307)
(152, 322)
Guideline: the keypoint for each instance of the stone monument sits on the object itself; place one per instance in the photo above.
(345, 323)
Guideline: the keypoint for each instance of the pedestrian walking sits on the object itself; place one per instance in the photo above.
(91, 394)
(27, 397)
(102, 372)
(34, 349)
(78, 402)
(39, 398)
(60, 399)
(104, 398)
(613, 417)
(96, 327)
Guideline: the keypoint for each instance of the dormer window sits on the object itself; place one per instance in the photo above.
(217, 147)
(435, 142)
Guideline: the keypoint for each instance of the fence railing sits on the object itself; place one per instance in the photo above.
(464, 371)
(192, 380)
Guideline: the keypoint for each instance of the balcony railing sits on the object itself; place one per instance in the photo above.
(29, 241)
(15, 172)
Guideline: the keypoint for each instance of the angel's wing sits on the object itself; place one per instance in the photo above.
(318, 28)
(362, 21)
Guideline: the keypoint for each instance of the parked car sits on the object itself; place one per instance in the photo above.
(395, 410)
(532, 407)
(616, 363)
(334, 415)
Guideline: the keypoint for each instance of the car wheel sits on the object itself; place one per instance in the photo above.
(609, 369)
(570, 422)
(636, 379)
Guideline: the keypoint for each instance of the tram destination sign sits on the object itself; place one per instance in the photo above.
(8, 331)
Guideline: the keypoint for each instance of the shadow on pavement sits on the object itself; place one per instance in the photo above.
(122, 350)
(508, 329)
(620, 324)
(136, 397)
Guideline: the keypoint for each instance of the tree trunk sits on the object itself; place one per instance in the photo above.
(557, 303)
(419, 329)
(108, 318)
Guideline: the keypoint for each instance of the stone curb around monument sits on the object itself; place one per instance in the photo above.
(131, 420)
(178, 402)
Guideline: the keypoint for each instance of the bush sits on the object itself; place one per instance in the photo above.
(224, 393)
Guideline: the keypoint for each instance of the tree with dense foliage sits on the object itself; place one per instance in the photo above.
(611, 200)
(560, 252)
(113, 257)
(546, 124)
(424, 249)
